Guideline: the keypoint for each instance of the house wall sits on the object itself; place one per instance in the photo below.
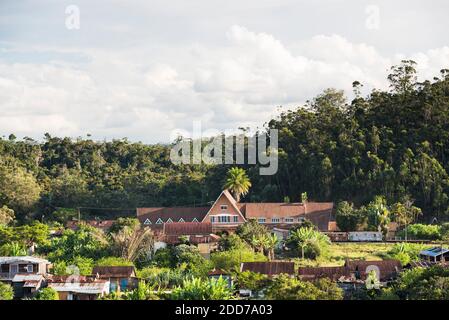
(216, 209)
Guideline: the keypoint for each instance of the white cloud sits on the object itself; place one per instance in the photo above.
(145, 92)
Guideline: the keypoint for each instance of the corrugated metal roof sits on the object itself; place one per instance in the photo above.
(114, 271)
(27, 277)
(434, 252)
(269, 268)
(29, 259)
(93, 287)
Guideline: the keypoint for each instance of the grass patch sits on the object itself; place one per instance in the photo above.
(339, 252)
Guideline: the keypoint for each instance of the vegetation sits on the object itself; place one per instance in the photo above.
(288, 288)
(47, 294)
(309, 242)
(237, 182)
(6, 291)
(385, 154)
(198, 289)
(422, 232)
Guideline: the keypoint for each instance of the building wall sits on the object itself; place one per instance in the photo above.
(216, 209)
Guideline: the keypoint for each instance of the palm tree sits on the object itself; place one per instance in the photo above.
(270, 243)
(303, 237)
(237, 182)
(257, 242)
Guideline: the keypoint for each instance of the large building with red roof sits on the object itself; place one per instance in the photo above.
(226, 214)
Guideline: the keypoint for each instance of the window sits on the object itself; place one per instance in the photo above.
(14, 268)
(159, 221)
(147, 222)
(224, 219)
(275, 220)
(236, 218)
(212, 219)
(113, 286)
(289, 220)
(29, 268)
(4, 268)
(224, 207)
(261, 220)
(301, 219)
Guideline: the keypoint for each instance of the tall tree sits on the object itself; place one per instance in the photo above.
(237, 182)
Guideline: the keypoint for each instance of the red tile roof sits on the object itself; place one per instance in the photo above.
(187, 228)
(333, 273)
(388, 269)
(188, 214)
(319, 213)
(269, 268)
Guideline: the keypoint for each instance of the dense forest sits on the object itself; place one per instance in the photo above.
(391, 143)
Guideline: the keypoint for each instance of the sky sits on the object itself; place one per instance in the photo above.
(146, 69)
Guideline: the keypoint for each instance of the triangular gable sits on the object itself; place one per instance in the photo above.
(159, 221)
(181, 220)
(169, 220)
(147, 222)
(230, 200)
(194, 220)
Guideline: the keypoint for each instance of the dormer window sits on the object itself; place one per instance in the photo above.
(181, 220)
(159, 221)
(275, 220)
(195, 220)
(224, 207)
(289, 220)
(169, 220)
(147, 222)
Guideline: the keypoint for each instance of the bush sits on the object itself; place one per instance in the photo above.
(285, 287)
(199, 289)
(231, 260)
(113, 261)
(47, 294)
(163, 278)
(6, 291)
(252, 281)
(347, 217)
(422, 232)
(424, 284)
(405, 252)
(79, 265)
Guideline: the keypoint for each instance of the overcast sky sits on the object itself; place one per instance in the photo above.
(142, 68)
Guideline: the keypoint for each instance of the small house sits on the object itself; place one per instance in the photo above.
(121, 278)
(79, 287)
(10, 266)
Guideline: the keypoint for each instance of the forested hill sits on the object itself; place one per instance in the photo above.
(392, 143)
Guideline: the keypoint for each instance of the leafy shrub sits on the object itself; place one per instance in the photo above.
(405, 252)
(199, 289)
(422, 232)
(231, 260)
(252, 280)
(47, 294)
(6, 291)
(285, 287)
(113, 261)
